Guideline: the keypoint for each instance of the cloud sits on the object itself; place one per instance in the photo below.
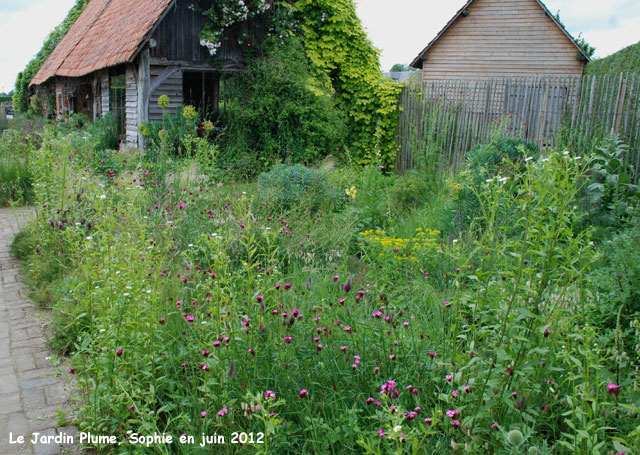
(23, 31)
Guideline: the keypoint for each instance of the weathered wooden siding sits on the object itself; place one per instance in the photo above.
(131, 108)
(171, 86)
(104, 87)
(178, 35)
(502, 38)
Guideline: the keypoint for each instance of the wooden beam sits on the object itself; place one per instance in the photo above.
(144, 91)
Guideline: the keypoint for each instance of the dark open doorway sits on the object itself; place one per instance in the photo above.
(202, 89)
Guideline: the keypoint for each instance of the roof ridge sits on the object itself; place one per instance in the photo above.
(418, 60)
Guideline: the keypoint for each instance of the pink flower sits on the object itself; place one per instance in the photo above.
(203, 414)
(245, 322)
(613, 389)
(269, 394)
(411, 415)
(378, 403)
(377, 314)
(222, 412)
(259, 299)
(466, 388)
(448, 377)
(319, 347)
(454, 394)
(347, 329)
(71, 370)
(287, 340)
(206, 352)
(287, 286)
(432, 354)
(495, 426)
(335, 278)
(455, 423)
(204, 367)
(119, 352)
(427, 420)
(405, 323)
(545, 407)
(278, 286)
(451, 413)
(162, 321)
(369, 400)
(343, 348)
(447, 304)
(392, 357)
(216, 343)
(303, 393)
(381, 433)
(251, 351)
(189, 318)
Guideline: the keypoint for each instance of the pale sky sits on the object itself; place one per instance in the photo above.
(399, 28)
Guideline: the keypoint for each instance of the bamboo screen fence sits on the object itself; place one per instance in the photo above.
(442, 120)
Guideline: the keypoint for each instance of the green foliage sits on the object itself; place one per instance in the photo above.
(16, 177)
(345, 60)
(286, 187)
(411, 191)
(502, 158)
(616, 282)
(21, 96)
(104, 133)
(626, 60)
(275, 114)
(611, 191)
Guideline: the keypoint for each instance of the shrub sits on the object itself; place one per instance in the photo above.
(16, 177)
(275, 113)
(286, 187)
(410, 191)
(104, 133)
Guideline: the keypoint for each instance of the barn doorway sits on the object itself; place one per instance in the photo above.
(202, 90)
(117, 102)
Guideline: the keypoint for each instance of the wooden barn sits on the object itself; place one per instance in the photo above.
(501, 39)
(120, 56)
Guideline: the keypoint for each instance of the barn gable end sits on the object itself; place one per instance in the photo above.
(501, 38)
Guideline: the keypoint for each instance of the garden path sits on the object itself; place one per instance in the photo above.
(32, 389)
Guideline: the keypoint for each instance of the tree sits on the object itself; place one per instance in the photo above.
(401, 67)
(580, 41)
(21, 96)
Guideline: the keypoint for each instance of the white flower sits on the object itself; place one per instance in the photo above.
(89, 238)
(527, 159)
(103, 196)
(397, 428)
(488, 180)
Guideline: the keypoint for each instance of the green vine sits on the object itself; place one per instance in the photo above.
(342, 59)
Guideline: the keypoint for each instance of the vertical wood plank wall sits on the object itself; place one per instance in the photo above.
(448, 118)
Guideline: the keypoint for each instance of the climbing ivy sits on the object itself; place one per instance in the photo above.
(343, 56)
(342, 59)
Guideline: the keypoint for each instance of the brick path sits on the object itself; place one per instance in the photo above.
(32, 389)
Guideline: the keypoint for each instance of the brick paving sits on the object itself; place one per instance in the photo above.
(32, 389)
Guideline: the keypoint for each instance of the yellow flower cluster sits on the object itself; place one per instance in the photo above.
(352, 192)
(401, 248)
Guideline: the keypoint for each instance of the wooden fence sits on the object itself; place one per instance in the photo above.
(442, 120)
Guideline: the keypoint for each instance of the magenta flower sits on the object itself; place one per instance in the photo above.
(432, 354)
(613, 389)
(343, 348)
(287, 340)
(303, 393)
(448, 377)
(269, 394)
(161, 321)
(204, 367)
(410, 415)
(216, 343)
(132, 408)
(451, 413)
(369, 400)
(381, 433)
(189, 318)
(347, 329)
(447, 304)
(278, 285)
(455, 423)
(377, 314)
(545, 407)
(378, 403)
(454, 394)
(392, 357)
(495, 426)
(376, 370)
(71, 370)
(335, 278)
(427, 420)
(222, 412)
(203, 414)
(245, 322)
(466, 388)
(547, 332)
(259, 299)
(119, 352)
(206, 352)
(251, 351)
(347, 285)
(287, 286)
(319, 347)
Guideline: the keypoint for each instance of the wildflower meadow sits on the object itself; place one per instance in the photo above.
(343, 310)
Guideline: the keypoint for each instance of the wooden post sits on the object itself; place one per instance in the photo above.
(144, 91)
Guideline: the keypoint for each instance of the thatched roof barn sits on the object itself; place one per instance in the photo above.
(120, 56)
(501, 39)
